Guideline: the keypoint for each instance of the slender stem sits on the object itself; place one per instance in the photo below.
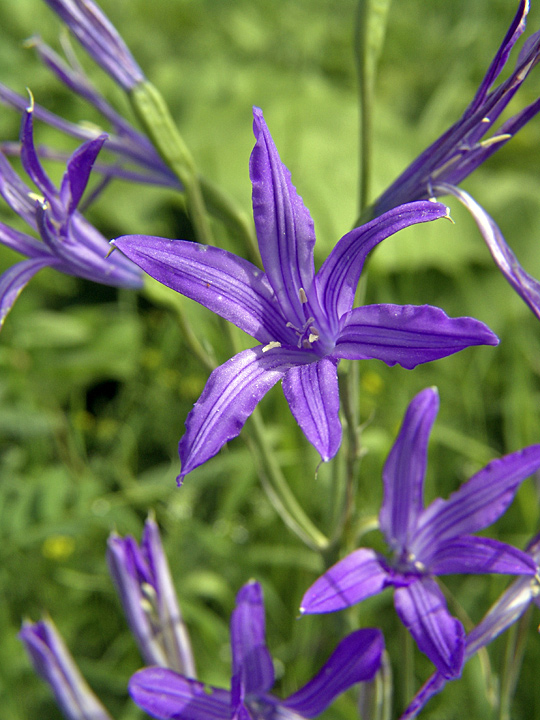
(513, 659)
(278, 490)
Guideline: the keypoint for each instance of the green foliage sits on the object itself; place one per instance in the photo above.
(95, 384)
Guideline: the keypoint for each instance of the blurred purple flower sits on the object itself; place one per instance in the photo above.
(165, 694)
(69, 243)
(304, 320)
(464, 146)
(100, 39)
(504, 613)
(53, 663)
(143, 581)
(431, 541)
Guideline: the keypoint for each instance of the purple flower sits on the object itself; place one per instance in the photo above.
(68, 242)
(144, 584)
(165, 694)
(504, 613)
(100, 39)
(426, 542)
(53, 662)
(464, 146)
(304, 320)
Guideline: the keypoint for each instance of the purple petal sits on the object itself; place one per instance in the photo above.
(474, 555)
(338, 277)
(228, 399)
(407, 334)
(405, 469)
(356, 659)
(251, 661)
(514, 31)
(313, 396)
(167, 695)
(422, 609)
(13, 281)
(53, 663)
(477, 503)
(224, 283)
(78, 172)
(21, 242)
(524, 284)
(284, 226)
(356, 577)
(29, 158)
(429, 689)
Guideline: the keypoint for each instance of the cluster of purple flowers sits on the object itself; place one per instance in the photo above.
(304, 323)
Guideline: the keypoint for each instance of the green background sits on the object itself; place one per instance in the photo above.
(95, 384)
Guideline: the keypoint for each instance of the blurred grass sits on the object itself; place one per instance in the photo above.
(95, 385)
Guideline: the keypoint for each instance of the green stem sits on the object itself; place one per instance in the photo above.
(152, 111)
(223, 207)
(278, 490)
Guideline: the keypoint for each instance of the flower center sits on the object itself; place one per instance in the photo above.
(308, 333)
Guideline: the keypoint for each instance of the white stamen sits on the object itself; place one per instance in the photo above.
(303, 296)
(313, 334)
(495, 139)
(271, 346)
(38, 198)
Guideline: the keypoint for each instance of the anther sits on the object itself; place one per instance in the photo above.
(303, 296)
(271, 346)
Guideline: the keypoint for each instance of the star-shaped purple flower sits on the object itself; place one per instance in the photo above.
(165, 694)
(426, 542)
(464, 146)
(304, 320)
(68, 242)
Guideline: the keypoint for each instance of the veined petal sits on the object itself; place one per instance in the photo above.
(477, 555)
(224, 283)
(524, 284)
(78, 172)
(13, 281)
(356, 577)
(514, 31)
(284, 226)
(407, 334)
(313, 396)
(356, 659)
(21, 242)
(477, 503)
(251, 661)
(100, 39)
(405, 469)
(422, 609)
(167, 695)
(337, 280)
(29, 157)
(228, 399)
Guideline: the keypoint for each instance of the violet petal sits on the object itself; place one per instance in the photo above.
(313, 396)
(358, 576)
(356, 659)
(228, 399)
(422, 609)
(166, 695)
(407, 335)
(405, 469)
